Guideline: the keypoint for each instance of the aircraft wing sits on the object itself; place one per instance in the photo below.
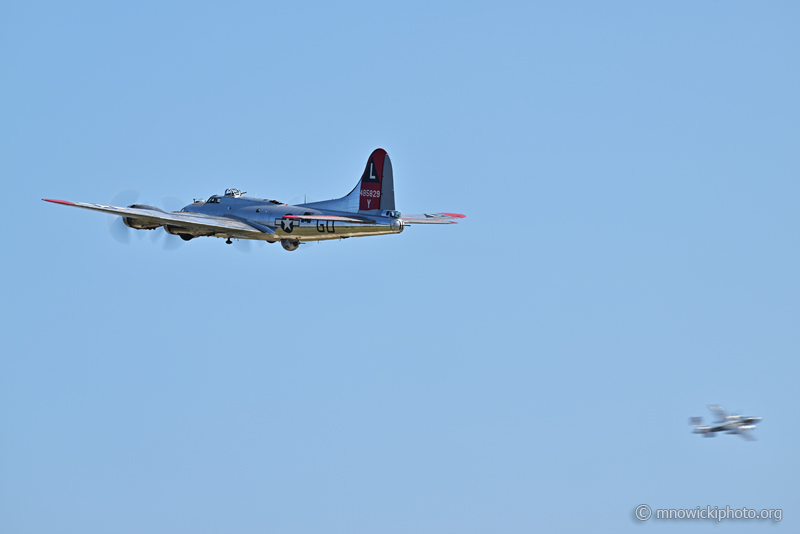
(432, 218)
(719, 411)
(744, 433)
(190, 221)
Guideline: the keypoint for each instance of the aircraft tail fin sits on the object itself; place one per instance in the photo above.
(373, 193)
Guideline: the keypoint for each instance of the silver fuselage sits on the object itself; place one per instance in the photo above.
(732, 423)
(271, 215)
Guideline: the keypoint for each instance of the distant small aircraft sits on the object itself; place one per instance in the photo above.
(730, 423)
(367, 210)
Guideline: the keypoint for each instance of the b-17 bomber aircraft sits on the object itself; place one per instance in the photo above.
(367, 210)
(730, 423)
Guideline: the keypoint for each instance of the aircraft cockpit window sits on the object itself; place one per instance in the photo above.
(212, 200)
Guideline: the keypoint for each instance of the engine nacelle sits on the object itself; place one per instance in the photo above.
(139, 224)
(174, 230)
(182, 232)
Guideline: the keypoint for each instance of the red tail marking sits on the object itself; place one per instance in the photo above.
(378, 156)
(371, 180)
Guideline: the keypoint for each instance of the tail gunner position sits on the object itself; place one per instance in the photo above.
(367, 210)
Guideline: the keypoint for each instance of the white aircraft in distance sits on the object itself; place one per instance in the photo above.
(730, 423)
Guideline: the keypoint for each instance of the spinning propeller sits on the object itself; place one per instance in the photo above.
(122, 234)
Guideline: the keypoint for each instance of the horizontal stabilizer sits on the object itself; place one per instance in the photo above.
(432, 218)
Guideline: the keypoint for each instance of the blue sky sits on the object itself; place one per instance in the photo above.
(629, 172)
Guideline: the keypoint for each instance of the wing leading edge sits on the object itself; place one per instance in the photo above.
(190, 221)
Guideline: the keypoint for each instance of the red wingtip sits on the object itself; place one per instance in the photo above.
(65, 202)
(455, 215)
